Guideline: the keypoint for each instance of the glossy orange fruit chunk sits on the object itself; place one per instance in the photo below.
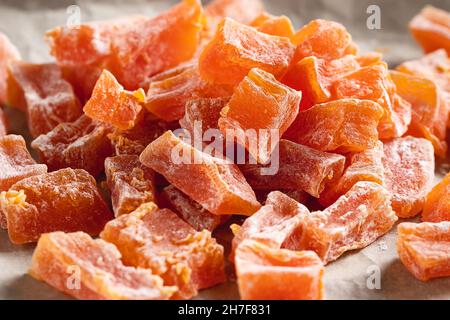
(8, 53)
(262, 104)
(236, 49)
(354, 221)
(276, 26)
(424, 249)
(3, 123)
(159, 240)
(65, 200)
(82, 144)
(111, 104)
(363, 166)
(431, 29)
(219, 185)
(437, 204)
(299, 168)
(102, 275)
(266, 273)
(323, 39)
(170, 91)
(347, 125)
(190, 211)
(47, 98)
(130, 183)
(409, 173)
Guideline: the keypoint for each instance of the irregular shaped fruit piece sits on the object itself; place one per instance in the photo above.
(82, 144)
(190, 211)
(276, 26)
(260, 104)
(236, 49)
(159, 240)
(8, 53)
(263, 272)
(374, 83)
(424, 249)
(243, 12)
(3, 123)
(111, 104)
(437, 204)
(169, 92)
(299, 168)
(364, 166)
(219, 185)
(429, 110)
(431, 29)
(103, 276)
(130, 183)
(40, 90)
(323, 39)
(277, 224)
(409, 173)
(347, 125)
(66, 200)
(354, 221)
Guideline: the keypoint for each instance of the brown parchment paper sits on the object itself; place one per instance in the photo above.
(25, 23)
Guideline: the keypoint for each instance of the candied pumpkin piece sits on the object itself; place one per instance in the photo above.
(409, 173)
(103, 276)
(347, 125)
(280, 26)
(191, 211)
(364, 166)
(169, 92)
(431, 29)
(157, 239)
(237, 48)
(300, 168)
(266, 273)
(65, 200)
(41, 91)
(354, 221)
(8, 53)
(214, 183)
(3, 123)
(111, 104)
(260, 103)
(437, 204)
(429, 109)
(241, 11)
(130, 183)
(424, 249)
(82, 144)
(323, 39)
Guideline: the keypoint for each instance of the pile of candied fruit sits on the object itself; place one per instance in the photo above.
(356, 145)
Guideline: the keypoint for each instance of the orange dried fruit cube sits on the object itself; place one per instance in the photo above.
(190, 211)
(409, 173)
(157, 239)
(262, 104)
(437, 204)
(111, 104)
(82, 144)
(323, 39)
(431, 29)
(429, 109)
(266, 273)
(219, 185)
(130, 183)
(103, 276)
(299, 168)
(8, 53)
(237, 48)
(276, 26)
(47, 98)
(65, 200)
(354, 221)
(347, 125)
(424, 249)
(363, 166)
(170, 91)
